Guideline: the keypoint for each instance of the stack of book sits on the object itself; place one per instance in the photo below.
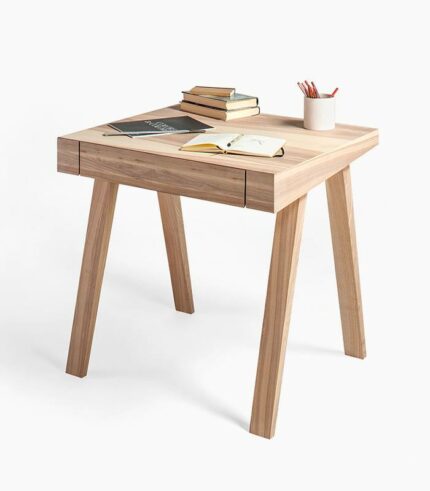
(219, 103)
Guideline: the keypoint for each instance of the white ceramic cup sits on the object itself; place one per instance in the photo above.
(319, 113)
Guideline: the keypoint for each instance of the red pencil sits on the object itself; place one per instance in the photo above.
(304, 89)
(310, 92)
(334, 91)
(317, 94)
(301, 88)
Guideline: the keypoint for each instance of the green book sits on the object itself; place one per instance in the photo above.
(236, 101)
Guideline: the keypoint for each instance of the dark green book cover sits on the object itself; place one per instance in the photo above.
(161, 125)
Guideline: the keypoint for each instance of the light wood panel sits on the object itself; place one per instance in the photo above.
(289, 186)
(283, 266)
(341, 213)
(301, 144)
(90, 283)
(273, 192)
(168, 175)
(68, 156)
(260, 191)
(176, 247)
(272, 183)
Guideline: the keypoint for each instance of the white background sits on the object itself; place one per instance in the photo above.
(167, 401)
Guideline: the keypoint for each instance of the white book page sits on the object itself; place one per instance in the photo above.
(257, 144)
(219, 139)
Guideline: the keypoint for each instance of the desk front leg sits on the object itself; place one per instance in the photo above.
(90, 283)
(339, 196)
(283, 266)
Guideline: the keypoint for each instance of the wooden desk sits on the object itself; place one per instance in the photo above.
(277, 185)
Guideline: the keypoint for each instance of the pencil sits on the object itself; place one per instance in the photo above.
(334, 91)
(301, 88)
(316, 90)
(305, 89)
(310, 94)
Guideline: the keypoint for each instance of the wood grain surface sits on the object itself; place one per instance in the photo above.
(176, 247)
(342, 225)
(68, 156)
(310, 158)
(168, 175)
(92, 270)
(279, 299)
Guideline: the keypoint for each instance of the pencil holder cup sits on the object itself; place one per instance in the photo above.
(319, 113)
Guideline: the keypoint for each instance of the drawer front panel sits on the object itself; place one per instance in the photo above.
(161, 173)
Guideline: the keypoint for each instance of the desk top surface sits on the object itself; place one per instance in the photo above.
(302, 146)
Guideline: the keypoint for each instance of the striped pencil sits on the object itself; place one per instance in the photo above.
(301, 88)
(317, 94)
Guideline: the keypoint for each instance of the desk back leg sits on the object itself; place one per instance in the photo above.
(341, 212)
(176, 247)
(280, 289)
(90, 283)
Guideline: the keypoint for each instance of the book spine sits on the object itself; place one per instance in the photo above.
(210, 102)
(240, 114)
(203, 110)
(220, 91)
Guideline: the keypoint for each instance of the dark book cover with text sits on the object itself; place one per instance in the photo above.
(161, 125)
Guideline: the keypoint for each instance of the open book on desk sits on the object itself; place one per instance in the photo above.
(235, 143)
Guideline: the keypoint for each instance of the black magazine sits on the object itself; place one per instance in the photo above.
(182, 124)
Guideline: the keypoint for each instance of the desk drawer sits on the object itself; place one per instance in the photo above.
(166, 174)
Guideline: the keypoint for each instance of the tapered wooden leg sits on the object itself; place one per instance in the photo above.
(345, 255)
(90, 283)
(283, 266)
(176, 247)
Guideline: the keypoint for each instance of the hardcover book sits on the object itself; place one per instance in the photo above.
(216, 113)
(219, 91)
(236, 101)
